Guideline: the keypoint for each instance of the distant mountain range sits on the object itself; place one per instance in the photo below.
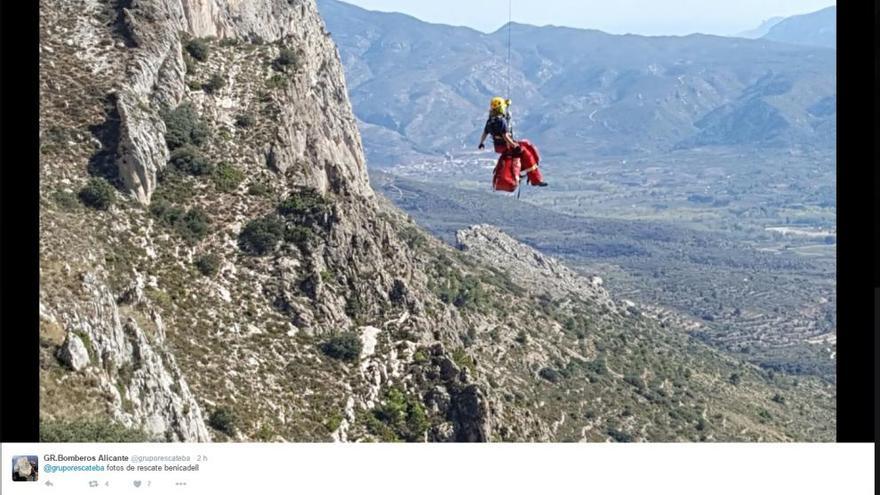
(420, 90)
(816, 29)
(761, 30)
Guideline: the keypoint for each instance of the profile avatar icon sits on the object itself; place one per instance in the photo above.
(24, 468)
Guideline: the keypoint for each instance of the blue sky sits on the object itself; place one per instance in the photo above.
(649, 17)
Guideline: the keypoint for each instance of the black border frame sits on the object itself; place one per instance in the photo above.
(876, 218)
(856, 345)
(19, 177)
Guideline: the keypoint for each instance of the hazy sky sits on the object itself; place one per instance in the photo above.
(650, 17)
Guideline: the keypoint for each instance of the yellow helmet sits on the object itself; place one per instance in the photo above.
(499, 104)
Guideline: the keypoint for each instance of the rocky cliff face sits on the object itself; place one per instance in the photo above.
(215, 265)
(127, 360)
(111, 75)
(109, 72)
(156, 72)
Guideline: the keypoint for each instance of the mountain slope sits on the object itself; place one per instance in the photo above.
(421, 90)
(815, 29)
(624, 377)
(216, 266)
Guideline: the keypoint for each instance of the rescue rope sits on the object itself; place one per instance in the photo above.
(509, 36)
(509, 60)
(509, 39)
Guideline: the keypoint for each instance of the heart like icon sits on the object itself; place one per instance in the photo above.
(137, 484)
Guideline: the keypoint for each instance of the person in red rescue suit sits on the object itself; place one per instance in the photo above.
(498, 126)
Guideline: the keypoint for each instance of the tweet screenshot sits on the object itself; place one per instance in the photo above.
(394, 469)
(71, 468)
(323, 246)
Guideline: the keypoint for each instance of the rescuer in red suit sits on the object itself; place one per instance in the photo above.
(516, 157)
